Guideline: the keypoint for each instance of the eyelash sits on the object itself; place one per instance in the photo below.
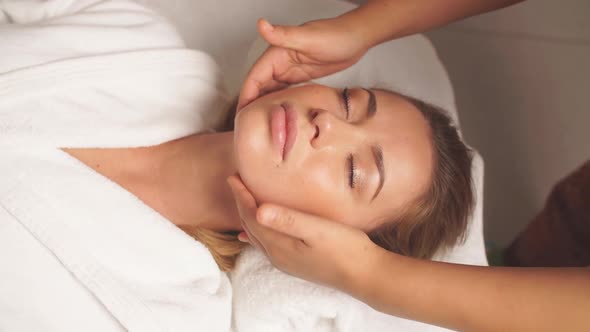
(352, 169)
(346, 98)
(351, 163)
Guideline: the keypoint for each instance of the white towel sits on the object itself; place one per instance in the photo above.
(79, 253)
(268, 300)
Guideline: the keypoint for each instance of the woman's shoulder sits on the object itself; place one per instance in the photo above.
(108, 73)
(70, 29)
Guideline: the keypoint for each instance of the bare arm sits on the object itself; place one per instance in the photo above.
(475, 298)
(383, 20)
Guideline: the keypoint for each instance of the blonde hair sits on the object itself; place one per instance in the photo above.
(224, 247)
(438, 219)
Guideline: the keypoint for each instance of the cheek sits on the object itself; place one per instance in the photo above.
(252, 148)
(314, 190)
(249, 132)
(323, 191)
(310, 188)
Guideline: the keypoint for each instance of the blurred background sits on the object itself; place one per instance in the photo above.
(521, 76)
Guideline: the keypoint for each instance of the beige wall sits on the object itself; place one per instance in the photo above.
(522, 83)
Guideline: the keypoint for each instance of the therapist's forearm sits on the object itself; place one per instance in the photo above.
(383, 20)
(474, 298)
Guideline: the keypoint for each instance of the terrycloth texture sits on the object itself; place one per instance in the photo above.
(100, 73)
(79, 253)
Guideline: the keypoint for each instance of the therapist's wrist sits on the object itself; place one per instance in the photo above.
(364, 273)
(356, 22)
(373, 22)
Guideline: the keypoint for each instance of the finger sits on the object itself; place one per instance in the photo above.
(285, 36)
(243, 237)
(263, 238)
(303, 226)
(261, 78)
(275, 243)
(246, 208)
(244, 200)
(253, 239)
(250, 91)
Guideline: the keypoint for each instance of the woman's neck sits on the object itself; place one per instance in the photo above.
(183, 180)
(190, 186)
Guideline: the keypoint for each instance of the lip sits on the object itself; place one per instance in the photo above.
(291, 117)
(283, 129)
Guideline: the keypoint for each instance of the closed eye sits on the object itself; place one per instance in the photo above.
(346, 98)
(351, 171)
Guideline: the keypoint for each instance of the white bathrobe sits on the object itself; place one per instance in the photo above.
(78, 252)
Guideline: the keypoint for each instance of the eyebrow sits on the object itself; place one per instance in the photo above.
(378, 155)
(371, 104)
(376, 149)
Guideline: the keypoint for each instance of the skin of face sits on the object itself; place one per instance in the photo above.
(315, 176)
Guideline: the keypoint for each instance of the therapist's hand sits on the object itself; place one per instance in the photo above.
(300, 53)
(306, 246)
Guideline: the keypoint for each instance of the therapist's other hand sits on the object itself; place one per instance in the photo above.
(304, 245)
(300, 53)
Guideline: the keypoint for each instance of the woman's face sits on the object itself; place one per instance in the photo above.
(360, 164)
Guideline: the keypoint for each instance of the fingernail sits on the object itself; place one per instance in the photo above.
(242, 237)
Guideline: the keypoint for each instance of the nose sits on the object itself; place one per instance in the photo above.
(330, 130)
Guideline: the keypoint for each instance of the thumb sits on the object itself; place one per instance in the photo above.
(285, 36)
(297, 224)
